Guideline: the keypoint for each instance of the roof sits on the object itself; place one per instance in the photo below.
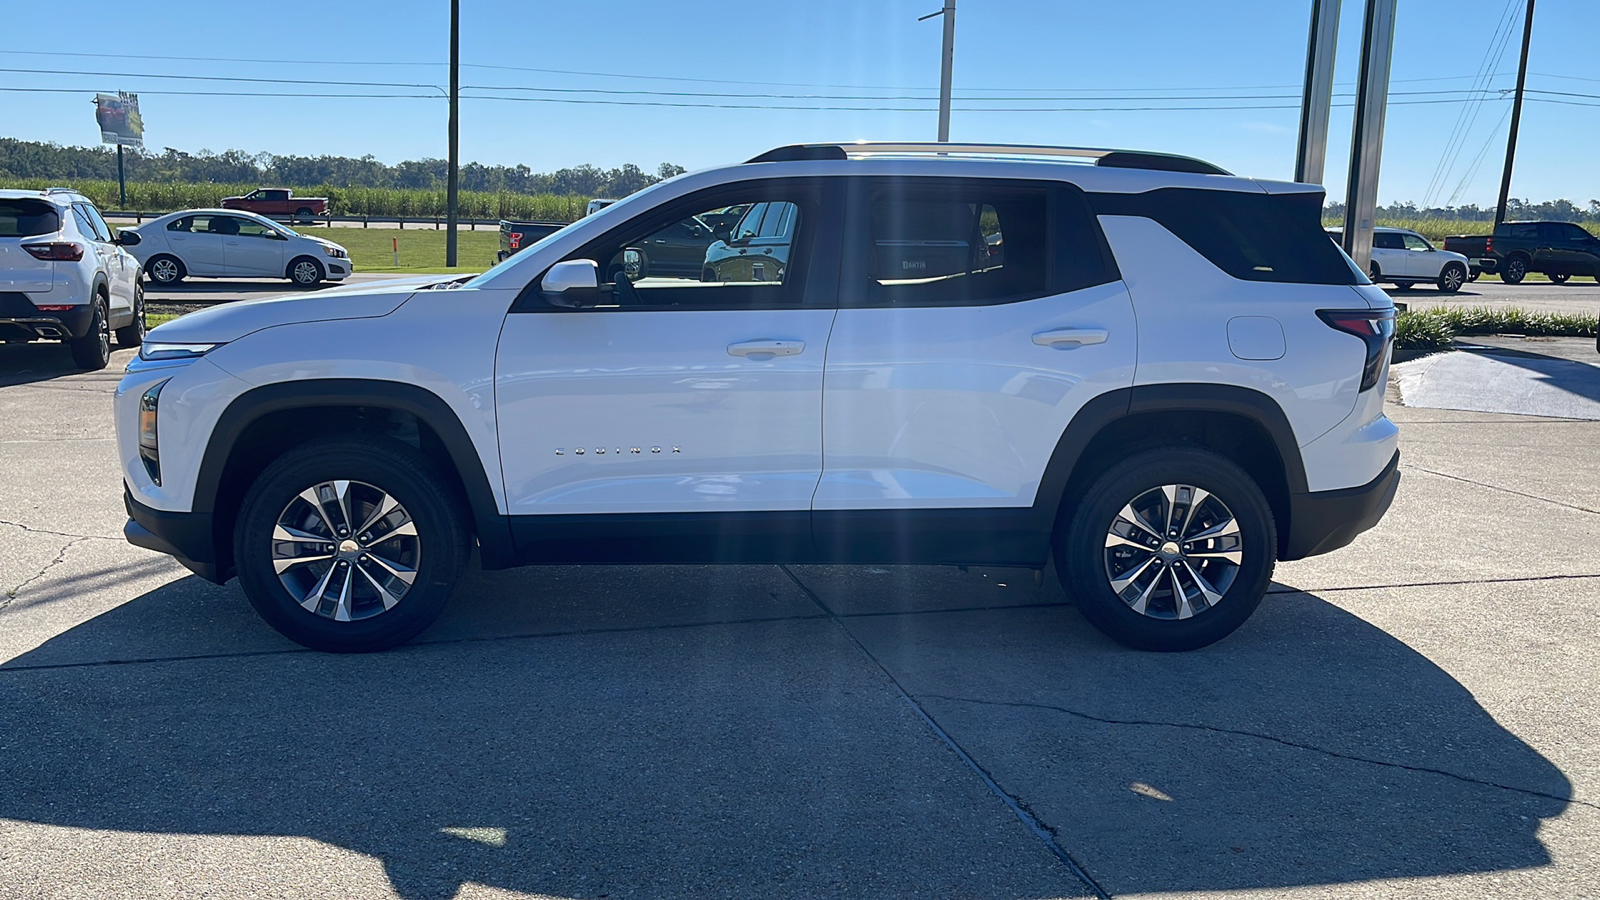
(1123, 159)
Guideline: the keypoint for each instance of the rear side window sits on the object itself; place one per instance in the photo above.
(1253, 237)
(1387, 240)
(1529, 230)
(28, 218)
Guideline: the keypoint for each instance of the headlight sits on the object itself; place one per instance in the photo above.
(149, 448)
(152, 351)
(334, 252)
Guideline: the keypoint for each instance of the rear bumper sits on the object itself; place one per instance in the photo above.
(1323, 521)
(186, 536)
(19, 318)
(1485, 264)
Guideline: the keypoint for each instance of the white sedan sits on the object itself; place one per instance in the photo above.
(230, 243)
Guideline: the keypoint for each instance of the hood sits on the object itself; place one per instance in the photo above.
(231, 321)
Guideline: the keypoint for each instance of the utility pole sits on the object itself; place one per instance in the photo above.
(122, 181)
(1316, 102)
(1366, 141)
(455, 133)
(949, 13)
(1516, 119)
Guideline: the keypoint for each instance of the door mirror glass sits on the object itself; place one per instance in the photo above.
(572, 283)
(128, 238)
(634, 264)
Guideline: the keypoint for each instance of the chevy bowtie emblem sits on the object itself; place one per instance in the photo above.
(615, 451)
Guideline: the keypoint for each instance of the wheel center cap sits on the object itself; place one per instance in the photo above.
(348, 547)
(1169, 551)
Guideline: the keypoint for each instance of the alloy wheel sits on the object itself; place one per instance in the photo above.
(1173, 552)
(1453, 279)
(306, 272)
(345, 550)
(164, 271)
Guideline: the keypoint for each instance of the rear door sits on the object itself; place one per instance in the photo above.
(193, 240)
(1389, 253)
(976, 318)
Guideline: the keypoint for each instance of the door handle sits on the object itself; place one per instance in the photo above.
(1067, 338)
(766, 348)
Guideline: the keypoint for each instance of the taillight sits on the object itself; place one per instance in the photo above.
(1375, 327)
(1488, 245)
(55, 308)
(65, 251)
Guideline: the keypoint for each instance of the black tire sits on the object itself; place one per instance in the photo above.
(1559, 277)
(707, 276)
(1451, 277)
(1373, 272)
(93, 350)
(397, 469)
(164, 270)
(132, 334)
(1514, 270)
(304, 214)
(305, 275)
(1402, 285)
(1082, 558)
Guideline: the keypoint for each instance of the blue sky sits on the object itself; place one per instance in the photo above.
(1084, 54)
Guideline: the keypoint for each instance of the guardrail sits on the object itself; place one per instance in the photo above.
(438, 222)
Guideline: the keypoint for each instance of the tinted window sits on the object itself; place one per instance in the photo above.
(27, 218)
(1386, 240)
(1253, 237)
(946, 242)
(1528, 230)
(101, 229)
(750, 225)
(1566, 231)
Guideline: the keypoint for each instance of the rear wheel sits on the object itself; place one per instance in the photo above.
(1515, 269)
(132, 334)
(305, 271)
(303, 214)
(1171, 549)
(350, 545)
(1374, 273)
(1452, 277)
(93, 350)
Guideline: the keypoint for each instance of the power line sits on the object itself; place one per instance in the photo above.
(231, 78)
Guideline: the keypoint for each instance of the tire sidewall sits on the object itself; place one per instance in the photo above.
(1515, 271)
(1444, 277)
(404, 474)
(294, 264)
(1080, 548)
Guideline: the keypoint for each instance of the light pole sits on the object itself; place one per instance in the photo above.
(949, 13)
(1516, 120)
(1317, 101)
(452, 180)
(1366, 141)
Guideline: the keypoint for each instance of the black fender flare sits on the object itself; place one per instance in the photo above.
(494, 534)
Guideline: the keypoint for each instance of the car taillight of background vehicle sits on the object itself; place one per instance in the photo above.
(1375, 327)
(65, 251)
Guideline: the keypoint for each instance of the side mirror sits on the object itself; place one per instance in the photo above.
(635, 265)
(128, 238)
(574, 284)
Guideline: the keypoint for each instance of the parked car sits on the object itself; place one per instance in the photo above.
(1559, 250)
(756, 249)
(1403, 258)
(1165, 377)
(279, 202)
(232, 244)
(596, 205)
(65, 277)
(515, 236)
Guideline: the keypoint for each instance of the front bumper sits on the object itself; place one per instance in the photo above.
(186, 536)
(1323, 521)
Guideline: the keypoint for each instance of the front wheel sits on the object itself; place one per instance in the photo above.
(306, 272)
(1452, 277)
(1171, 549)
(350, 545)
(1516, 269)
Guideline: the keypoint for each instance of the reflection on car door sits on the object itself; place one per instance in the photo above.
(119, 281)
(1388, 252)
(194, 241)
(252, 248)
(673, 395)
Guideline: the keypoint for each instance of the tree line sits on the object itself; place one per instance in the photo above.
(1516, 210)
(34, 159)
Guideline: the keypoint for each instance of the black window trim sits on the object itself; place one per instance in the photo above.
(813, 282)
(1061, 198)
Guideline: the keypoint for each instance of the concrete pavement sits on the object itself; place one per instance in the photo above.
(1409, 717)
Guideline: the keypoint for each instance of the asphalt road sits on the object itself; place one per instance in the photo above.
(1580, 295)
(1411, 717)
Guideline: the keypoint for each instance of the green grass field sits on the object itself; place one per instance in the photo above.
(421, 249)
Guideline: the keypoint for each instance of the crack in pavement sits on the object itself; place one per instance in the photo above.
(86, 537)
(1495, 487)
(1234, 732)
(1018, 807)
(60, 557)
(1287, 589)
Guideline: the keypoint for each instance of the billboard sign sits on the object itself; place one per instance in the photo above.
(118, 115)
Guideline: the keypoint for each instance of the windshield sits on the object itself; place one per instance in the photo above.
(27, 218)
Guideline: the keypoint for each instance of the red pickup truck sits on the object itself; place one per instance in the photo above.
(279, 202)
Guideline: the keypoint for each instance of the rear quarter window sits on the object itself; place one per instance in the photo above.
(28, 218)
(1253, 237)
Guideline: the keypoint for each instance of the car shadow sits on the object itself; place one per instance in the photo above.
(1572, 376)
(242, 287)
(766, 756)
(34, 361)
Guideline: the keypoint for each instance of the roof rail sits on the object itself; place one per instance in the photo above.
(1123, 159)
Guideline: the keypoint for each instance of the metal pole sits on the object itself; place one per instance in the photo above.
(455, 132)
(1516, 120)
(1316, 103)
(946, 71)
(1366, 142)
(122, 182)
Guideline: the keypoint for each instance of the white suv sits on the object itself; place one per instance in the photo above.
(64, 277)
(1165, 376)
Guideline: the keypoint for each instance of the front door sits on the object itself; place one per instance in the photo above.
(976, 318)
(1421, 259)
(673, 396)
(253, 248)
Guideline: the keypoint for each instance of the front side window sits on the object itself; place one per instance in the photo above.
(252, 228)
(97, 226)
(1415, 242)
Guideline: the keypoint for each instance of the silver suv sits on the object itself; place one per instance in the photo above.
(65, 277)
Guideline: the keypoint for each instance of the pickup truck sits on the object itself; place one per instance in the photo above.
(1559, 250)
(279, 202)
(515, 236)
